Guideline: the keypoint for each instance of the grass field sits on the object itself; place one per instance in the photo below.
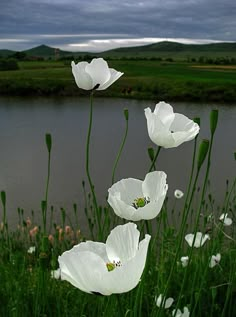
(142, 79)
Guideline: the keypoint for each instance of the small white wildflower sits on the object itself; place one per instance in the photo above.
(56, 274)
(31, 249)
(178, 194)
(178, 313)
(184, 260)
(226, 221)
(199, 240)
(164, 302)
(215, 259)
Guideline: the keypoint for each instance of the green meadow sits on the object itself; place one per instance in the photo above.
(151, 79)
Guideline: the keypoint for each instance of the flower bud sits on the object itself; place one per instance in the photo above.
(48, 140)
(126, 114)
(213, 120)
(203, 149)
(151, 153)
(197, 120)
(3, 198)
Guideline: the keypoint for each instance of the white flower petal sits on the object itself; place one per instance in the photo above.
(184, 260)
(122, 243)
(150, 211)
(178, 313)
(82, 79)
(99, 71)
(31, 249)
(121, 208)
(199, 240)
(95, 75)
(186, 312)
(114, 75)
(164, 302)
(215, 259)
(152, 190)
(226, 220)
(168, 129)
(127, 276)
(165, 112)
(95, 247)
(56, 274)
(84, 270)
(129, 189)
(154, 185)
(178, 194)
(88, 271)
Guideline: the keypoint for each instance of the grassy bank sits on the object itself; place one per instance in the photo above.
(142, 79)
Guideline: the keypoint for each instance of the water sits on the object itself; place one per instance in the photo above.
(23, 158)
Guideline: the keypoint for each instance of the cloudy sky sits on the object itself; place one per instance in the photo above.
(97, 25)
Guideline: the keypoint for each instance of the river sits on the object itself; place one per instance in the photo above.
(23, 158)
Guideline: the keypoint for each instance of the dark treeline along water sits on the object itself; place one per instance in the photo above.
(23, 158)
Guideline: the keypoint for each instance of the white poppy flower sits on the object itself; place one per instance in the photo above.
(215, 259)
(184, 260)
(134, 199)
(106, 268)
(95, 75)
(178, 194)
(31, 249)
(199, 240)
(178, 313)
(226, 221)
(169, 129)
(164, 302)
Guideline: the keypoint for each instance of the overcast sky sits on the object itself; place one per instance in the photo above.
(97, 25)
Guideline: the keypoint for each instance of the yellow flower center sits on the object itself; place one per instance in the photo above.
(110, 266)
(140, 202)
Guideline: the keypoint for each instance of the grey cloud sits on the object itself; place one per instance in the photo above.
(206, 19)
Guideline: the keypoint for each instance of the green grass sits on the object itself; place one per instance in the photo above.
(141, 79)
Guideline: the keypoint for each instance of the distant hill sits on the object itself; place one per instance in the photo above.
(6, 53)
(45, 51)
(163, 49)
(174, 49)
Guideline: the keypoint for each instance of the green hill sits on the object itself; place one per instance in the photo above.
(165, 49)
(6, 53)
(175, 50)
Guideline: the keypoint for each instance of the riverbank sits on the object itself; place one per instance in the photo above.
(143, 79)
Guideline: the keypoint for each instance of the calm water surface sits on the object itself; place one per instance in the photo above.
(23, 158)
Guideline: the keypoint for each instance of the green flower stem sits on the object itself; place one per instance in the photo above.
(119, 304)
(5, 224)
(230, 287)
(154, 160)
(230, 193)
(196, 225)
(122, 145)
(87, 167)
(184, 218)
(46, 195)
(191, 175)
